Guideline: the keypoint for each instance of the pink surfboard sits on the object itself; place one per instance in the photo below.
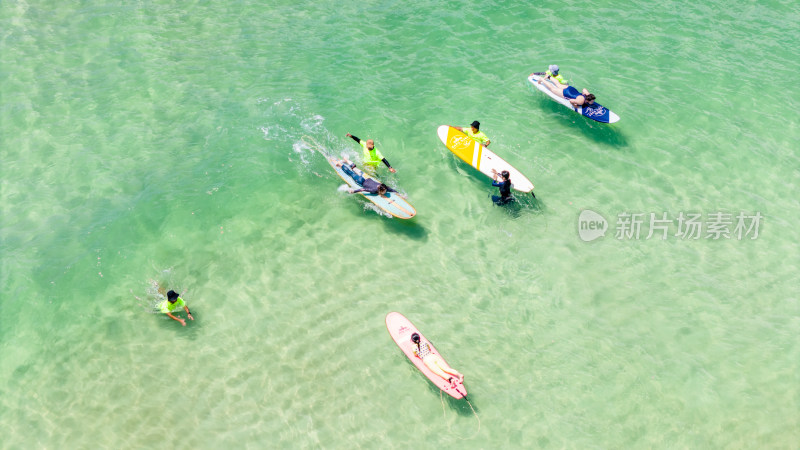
(401, 330)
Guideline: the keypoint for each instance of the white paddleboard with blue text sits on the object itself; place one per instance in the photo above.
(595, 111)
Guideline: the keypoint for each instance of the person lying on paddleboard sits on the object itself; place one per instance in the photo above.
(505, 187)
(367, 184)
(435, 362)
(474, 132)
(583, 98)
(372, 156)
(172, 303)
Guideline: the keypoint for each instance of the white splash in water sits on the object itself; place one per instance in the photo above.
(373, 207)
(312, 123)
(273, 132)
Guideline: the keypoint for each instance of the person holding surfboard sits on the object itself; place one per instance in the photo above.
(583, 98)
(372, 156)
(436, 363)
(505, 187)
(474, 132)
(173, 302)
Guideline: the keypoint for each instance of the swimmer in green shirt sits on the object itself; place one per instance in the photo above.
(474, 132)
(172, 303)
(372, 156)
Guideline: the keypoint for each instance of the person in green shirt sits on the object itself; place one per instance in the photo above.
(474, 132)
(172, 303)
(372, 156)
(552, 72)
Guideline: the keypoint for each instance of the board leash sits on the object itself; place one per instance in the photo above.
(441, 398)
(476, 416)
(313, 144)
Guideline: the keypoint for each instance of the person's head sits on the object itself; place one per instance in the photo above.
(589, 98)
(415, 338)
(172, 296)
(382, 189)
(553, 69)
(476, 126)
(370, 144)
(505, 175)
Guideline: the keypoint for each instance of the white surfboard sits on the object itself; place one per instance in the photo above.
(481, 158)
(594, 111)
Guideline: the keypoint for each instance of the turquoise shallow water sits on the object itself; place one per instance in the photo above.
(160, 141)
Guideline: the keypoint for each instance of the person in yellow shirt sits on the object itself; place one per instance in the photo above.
(372, 156)
(552, 73)
(474, 132)
(171, 304)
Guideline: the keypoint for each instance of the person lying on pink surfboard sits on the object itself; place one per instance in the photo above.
(435, 362)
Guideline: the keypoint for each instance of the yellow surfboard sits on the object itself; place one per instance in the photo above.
(481, 158)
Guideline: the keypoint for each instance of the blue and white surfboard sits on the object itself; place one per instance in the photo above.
(391, 202)
(596, 111)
